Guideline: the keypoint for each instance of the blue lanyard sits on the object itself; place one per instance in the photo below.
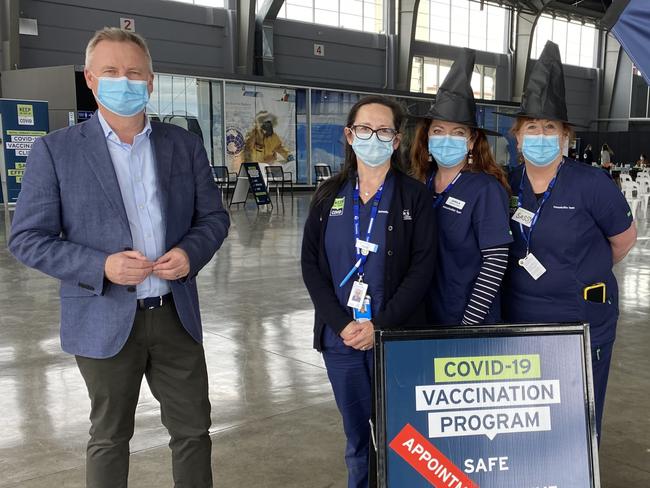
(441, 196)
(520, 203)
(430, 180)
(362, 258)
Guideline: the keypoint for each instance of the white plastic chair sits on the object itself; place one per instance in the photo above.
(631, 192)
(625, 177)
(643, 185)
(643, 177)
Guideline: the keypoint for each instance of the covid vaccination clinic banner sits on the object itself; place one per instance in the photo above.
(21, 123)
(498, 407)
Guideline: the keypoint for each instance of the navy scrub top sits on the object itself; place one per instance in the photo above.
(481, 223)
(570, 240)
(340, 241)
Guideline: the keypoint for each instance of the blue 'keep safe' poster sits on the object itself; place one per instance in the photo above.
(490, 412)
(21, 123)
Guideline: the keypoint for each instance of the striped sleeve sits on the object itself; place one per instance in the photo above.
(487, 284)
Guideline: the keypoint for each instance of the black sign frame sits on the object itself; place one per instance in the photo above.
(250, 180)
(379, 420)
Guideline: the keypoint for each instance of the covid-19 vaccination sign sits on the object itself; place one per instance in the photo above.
(494, 407)
(21, 123)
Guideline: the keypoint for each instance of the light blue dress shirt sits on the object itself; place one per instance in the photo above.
(135, 167)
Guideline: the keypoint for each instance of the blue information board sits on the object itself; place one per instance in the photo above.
(490, 407)
(21, 123)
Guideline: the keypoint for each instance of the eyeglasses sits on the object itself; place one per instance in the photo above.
(384, 134)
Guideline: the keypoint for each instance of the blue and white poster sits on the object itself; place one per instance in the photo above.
(490, 412)
(21, 123)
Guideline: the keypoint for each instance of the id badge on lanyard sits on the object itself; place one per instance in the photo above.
(528, 219)
(441, 196)
(364, 313)
(363, 248)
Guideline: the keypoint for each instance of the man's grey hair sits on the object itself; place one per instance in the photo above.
(116, 34)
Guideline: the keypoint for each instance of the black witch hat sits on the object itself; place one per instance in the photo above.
(544, 95)
(455, 98)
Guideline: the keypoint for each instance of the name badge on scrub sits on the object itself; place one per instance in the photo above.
(364, 314)
(455, 203)
(357, 295)
(366, 247)
(531, 264)
(523, 216)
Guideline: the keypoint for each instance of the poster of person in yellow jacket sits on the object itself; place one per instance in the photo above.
(263, 144)
(260, 126)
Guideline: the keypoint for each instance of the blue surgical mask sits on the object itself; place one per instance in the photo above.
(448, 151)
(122, 96)
(541, 150)
(372, 152)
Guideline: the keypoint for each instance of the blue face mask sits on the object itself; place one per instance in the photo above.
(122, 96)
(541, 150)
(448, 151)
(372, 152)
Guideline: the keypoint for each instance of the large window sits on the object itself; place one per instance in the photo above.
(192, 103)
(463, 23)
(205, 3)
(577, 41)
(227, 114)
(429, 73)
(361, 15)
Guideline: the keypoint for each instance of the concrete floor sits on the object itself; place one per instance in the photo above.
(274, 419)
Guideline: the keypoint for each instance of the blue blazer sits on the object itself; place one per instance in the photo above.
(70, 217)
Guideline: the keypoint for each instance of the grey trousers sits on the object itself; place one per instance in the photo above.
(174, 364)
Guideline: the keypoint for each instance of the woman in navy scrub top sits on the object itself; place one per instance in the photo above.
(570, 223)
(470, 201)
(385, 268)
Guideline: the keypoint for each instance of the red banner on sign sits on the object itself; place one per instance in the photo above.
(429, 461)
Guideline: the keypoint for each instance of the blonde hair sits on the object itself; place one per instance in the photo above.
(115, 34)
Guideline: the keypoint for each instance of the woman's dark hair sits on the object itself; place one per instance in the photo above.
(482, 158)
(331, 186)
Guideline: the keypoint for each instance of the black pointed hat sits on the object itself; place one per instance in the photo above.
(455, 98)
(544, 95)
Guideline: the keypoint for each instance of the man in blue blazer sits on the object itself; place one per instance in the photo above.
(125, 213)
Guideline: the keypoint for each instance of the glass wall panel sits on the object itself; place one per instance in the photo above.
(191, 103)
(260, 126)
(575, 40)
(165, 95)
(573, 46)
(463, 23)
(203, 115)
(205, 3)
(489, 82)
(198, 105)
(429, 73)
(416, 74)
(361, 15)
(216, 88)
(476, 81)
(329, 111)
(440, 21)
(445, 66)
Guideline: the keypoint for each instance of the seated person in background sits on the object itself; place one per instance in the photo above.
(642, 162)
